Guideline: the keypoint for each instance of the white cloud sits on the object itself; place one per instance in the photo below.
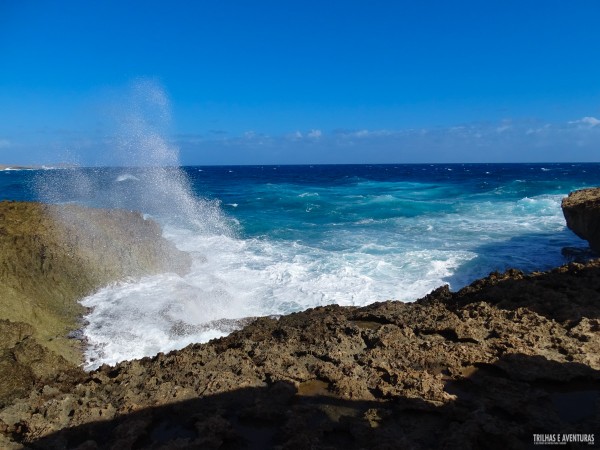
(591, 121)
(298, 136)
(295, 136)
(457, 129)
(495, 141)
(368, 133)
(251, 138)
(4, 143)
(587, 121)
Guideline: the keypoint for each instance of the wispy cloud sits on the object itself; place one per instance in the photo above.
(364, 133)
(587, 121)
(506, 125)
(501, 141)
(299, 135)
(294, 136)
(255, 137)
(5, 143)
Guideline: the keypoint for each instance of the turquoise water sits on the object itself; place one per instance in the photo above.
(277, 239)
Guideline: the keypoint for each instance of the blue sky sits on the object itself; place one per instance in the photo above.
(275, 82)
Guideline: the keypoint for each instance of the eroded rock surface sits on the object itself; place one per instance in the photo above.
(50, 257)
(582, 212)
(486, 367)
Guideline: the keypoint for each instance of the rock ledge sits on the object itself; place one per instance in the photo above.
(582, 212)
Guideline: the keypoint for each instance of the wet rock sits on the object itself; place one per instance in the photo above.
(50, 257)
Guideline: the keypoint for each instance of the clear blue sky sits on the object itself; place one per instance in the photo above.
(255, 82)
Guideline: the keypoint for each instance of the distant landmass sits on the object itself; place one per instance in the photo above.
(36, 167)
(11, 167)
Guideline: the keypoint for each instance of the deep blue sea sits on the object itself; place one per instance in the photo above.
(269, 240)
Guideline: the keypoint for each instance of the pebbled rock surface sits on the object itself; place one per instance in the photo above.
(50, 257)
(582, 212)
(485, 367)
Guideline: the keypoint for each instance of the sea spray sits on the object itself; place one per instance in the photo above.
(144, 175)
(149, 178)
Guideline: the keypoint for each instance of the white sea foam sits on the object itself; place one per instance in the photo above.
(232, 278)
(126, 177)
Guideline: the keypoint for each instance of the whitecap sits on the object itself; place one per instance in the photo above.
(126, 177)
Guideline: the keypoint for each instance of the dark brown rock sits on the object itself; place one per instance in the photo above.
(582, 212)
(486, 367)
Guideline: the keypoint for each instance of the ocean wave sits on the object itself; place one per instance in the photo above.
(126, 177)
(234, 278)
(359, 242)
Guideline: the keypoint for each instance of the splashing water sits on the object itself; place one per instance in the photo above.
(300, 237)
(148, 163)
(145, 177)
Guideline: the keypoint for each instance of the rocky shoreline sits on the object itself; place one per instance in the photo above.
(489, 366)
(52, 256)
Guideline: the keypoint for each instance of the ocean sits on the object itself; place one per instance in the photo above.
(271, 240)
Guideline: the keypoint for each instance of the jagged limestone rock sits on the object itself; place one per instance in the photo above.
(485, 367)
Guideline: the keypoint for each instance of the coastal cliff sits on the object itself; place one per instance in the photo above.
(490, 366)
(52, 256)
(582, 212)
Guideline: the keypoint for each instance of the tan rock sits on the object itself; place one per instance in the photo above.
(52, 256)
(582, 212)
